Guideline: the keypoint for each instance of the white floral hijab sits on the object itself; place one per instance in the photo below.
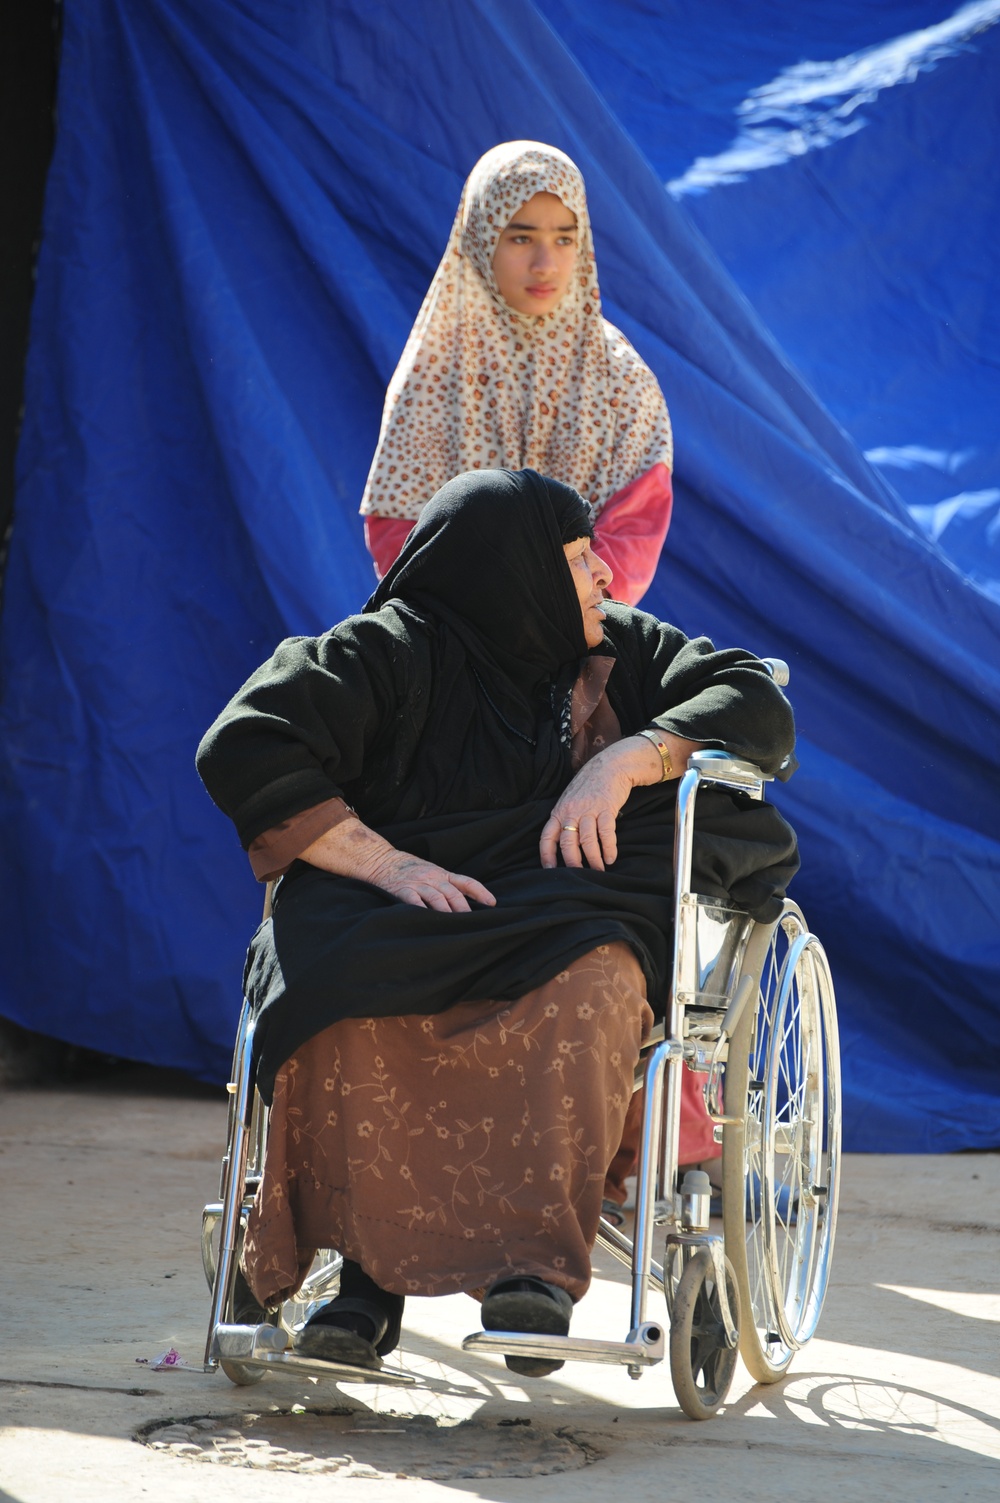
(480, 386)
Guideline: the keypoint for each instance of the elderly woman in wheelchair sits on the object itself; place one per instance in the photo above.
(469, 793)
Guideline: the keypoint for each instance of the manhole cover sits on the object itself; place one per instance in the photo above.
(353, 1444)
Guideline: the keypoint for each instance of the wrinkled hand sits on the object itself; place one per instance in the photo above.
(351, 849)
(427, 886)
(594, 799)
(590, 805)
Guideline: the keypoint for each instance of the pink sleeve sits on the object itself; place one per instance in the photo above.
(630, 532)
(384, 537)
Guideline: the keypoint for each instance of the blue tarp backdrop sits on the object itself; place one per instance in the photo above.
(874, 263)
(247, 201)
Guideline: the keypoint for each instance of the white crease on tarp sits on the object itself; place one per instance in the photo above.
(933, 520)
(913, 456)
(811, 105)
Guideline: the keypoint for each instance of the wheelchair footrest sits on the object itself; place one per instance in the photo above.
(241, 1343)
(266, 1347)
(294, 1366)
(644, 1348)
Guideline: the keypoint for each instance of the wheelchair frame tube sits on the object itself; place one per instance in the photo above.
(661, 1121)
(684, 945)
(649, 1152)
(684, 940)
(236, 1166)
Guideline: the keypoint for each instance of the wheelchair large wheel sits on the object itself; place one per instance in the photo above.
(781, 1157)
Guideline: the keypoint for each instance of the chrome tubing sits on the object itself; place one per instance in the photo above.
(682, 981)
(778, 669)
(235, 1172)
(645, 1195)
(661, 1120)
(210, 1218)
(321, 1283)
(684, 838)
(644, 1348)
(731, 772)
(620, 1248)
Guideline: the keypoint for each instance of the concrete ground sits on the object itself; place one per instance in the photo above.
(897, 1398)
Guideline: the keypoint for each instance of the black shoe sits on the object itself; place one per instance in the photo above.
(360, 1327)
(533, 1307)
(345, 1331)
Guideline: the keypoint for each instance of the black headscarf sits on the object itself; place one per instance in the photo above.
(486, 557)
(485, 562)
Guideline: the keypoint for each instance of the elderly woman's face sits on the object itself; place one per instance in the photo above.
(536, 255)
(591, 576)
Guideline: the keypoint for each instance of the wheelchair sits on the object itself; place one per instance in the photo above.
(751, 1006)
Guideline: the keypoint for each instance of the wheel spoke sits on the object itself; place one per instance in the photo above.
(706, 1339)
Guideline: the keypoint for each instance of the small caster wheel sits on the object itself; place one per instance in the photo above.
(701, 1364)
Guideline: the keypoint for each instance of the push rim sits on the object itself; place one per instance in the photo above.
(781, 1161)
(800, 1151)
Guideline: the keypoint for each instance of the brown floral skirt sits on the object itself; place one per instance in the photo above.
(444, 1152)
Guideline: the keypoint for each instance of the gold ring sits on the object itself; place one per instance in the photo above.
(574, 828)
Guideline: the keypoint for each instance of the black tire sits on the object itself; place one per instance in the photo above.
(701, 1364)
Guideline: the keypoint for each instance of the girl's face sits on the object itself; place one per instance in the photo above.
(536, 255)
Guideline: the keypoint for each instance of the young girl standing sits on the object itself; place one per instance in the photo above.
(510, 364)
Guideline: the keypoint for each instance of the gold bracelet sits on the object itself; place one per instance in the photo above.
(664, 750)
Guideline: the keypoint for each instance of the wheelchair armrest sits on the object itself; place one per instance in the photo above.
(733, 772)
(720, 767)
